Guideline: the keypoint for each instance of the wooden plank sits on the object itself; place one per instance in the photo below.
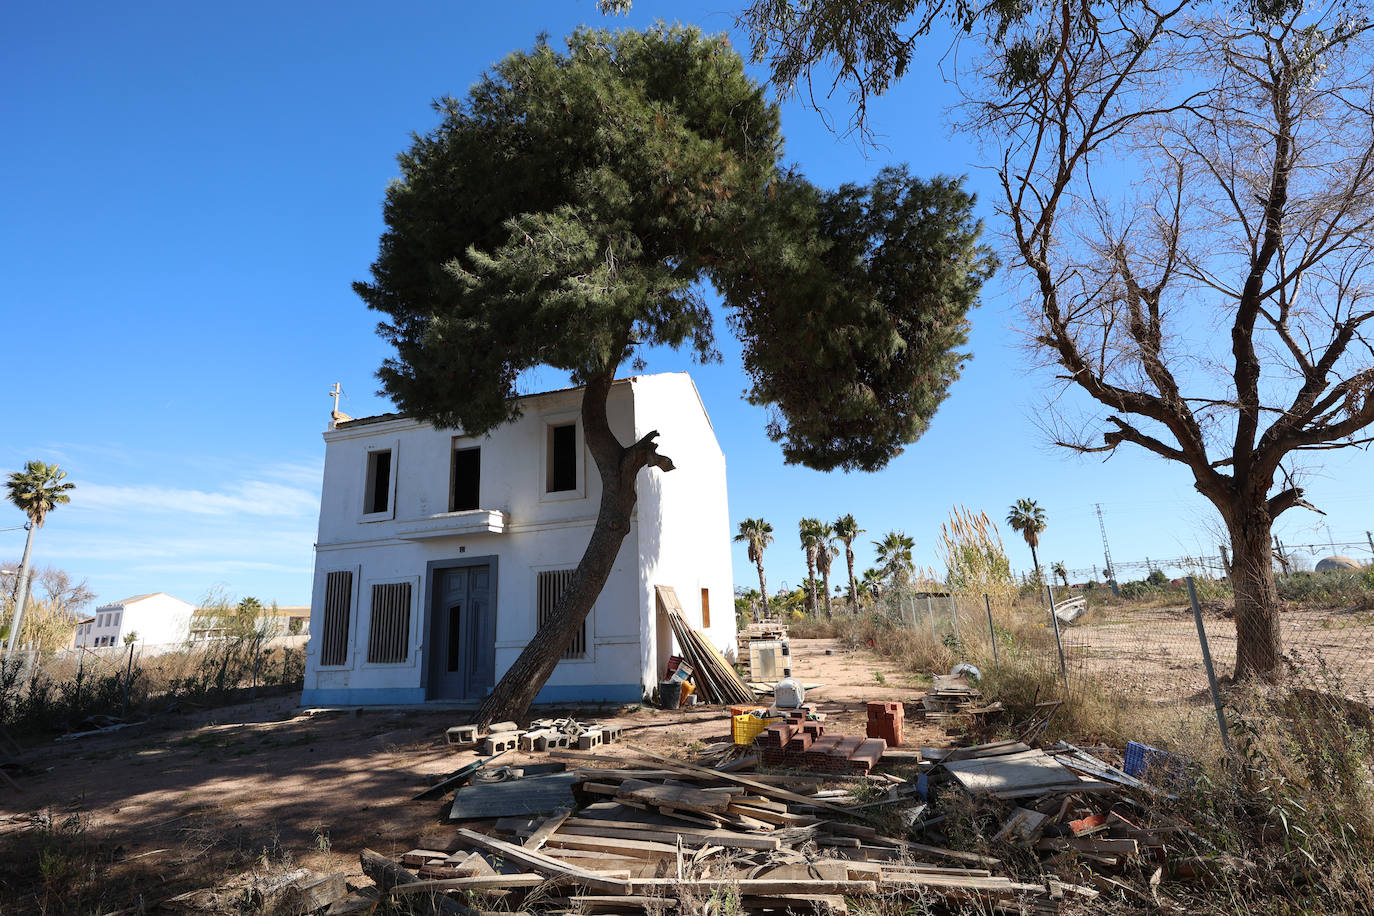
(763, 887)
(668, 834)
(547, 829)
(642, 849)
(678, 797)
(760, 787)
(545, 865)
(475, 883)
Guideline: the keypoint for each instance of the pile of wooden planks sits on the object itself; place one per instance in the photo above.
(714, 677)
(951, 696)
(654, 833)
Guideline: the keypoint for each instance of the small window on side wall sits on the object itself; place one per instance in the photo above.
(466, 491)
(562, 458)
(378, 495)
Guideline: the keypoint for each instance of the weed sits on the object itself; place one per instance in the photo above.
(880, 678)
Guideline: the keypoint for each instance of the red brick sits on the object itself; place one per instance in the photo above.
(800, 741)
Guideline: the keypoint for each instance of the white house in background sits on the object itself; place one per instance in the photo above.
(154, 619)
(439, 553)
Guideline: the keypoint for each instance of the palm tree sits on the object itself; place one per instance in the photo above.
(1029, 519)
(894, 553)
(36, 490)
(810, 530)
(871, 584)
(1062, 571)
(846, 529)
(758, 534)
(825, 552)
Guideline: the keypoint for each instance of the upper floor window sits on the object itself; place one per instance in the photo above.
(562, 458)
(466, 489)
(377, 498)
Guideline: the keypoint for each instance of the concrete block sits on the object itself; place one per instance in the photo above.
(588, 740)
(504, 741)
(529, 741)
(462, 734)
(611, 733)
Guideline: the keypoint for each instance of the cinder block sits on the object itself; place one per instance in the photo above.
(462, 734)
(495, 727)
(611, 733)
(529, 741)
(504, 741)
(588, 740)
(547, 739)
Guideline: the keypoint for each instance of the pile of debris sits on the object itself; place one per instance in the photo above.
(656, 833)
(953, 695)
(799, 744)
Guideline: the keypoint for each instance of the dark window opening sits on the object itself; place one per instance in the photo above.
(378, 481)
(562, 458)
(467, 480)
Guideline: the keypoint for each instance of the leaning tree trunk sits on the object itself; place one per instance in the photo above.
(1259, 640)
(618, 464)
(763, 587)
(853, 587)
(1039, 580)
(21, 597)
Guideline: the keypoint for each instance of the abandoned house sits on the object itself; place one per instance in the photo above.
(439, 553)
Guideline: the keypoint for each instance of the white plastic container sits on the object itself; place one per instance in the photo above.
(789, 694)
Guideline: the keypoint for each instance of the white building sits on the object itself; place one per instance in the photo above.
(156, 619)
(438, 552)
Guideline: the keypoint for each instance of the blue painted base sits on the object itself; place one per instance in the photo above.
(366, 696)
(406, 696)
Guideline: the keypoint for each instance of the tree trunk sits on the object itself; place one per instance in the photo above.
(617, 465)
(853, 586)
(1039, 580)
(21, 597)
(825, 578)
(763, 587)
(810, 583)
(1259, 640)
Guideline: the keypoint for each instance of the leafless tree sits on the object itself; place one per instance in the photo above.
(1190, 192)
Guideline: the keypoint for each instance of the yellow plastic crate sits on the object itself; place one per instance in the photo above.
(746, 728)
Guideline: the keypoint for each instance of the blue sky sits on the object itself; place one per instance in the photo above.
(189, 192)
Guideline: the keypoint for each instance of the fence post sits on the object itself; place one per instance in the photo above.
(1054, 619)
(992, 634)
(954, 613)
(930, 610)
(128, 672)
(1207, 663)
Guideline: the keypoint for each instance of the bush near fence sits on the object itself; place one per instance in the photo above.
(71, 689)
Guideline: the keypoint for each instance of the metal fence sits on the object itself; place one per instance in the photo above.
(1153, 653)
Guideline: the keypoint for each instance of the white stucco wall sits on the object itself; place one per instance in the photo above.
(685, 517)
(538, 531)
(156, 620)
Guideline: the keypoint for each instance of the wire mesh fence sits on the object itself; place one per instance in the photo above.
(1145, 654)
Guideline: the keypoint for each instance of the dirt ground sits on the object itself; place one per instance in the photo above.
(185, 801)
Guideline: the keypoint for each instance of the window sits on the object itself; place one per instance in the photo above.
(338, 596)
(117, 617)
(552, 583)
(705, 608)
(388, 638)
(562, 463)
(378, 495)
(467, 480)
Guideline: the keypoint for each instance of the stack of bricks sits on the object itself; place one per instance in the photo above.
(799, 744)
(885, 721)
